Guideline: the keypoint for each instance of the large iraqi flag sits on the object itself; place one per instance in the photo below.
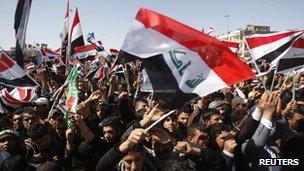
(180, 59)
(12, 75)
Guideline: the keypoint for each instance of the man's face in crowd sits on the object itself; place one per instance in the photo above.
(222, 109)
(183, 119)
(200, 138)
(265, 63)
(44, 142)
(29, 119)
(214, 119)
(8, 144)
(134, 161)
(109, 134)
(141, 105)
(170, 124)
(17, 121)
(240, 107)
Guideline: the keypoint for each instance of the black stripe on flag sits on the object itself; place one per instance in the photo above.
(164, 85)
(290, 63)
(18, 14)
(24, 81)
(274, 54)
(19, 55)
(75, 43)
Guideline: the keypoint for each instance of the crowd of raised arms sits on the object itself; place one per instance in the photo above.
(221, 131)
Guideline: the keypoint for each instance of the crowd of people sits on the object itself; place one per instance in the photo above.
(221, 131)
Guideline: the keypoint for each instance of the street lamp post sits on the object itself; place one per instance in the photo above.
(227, 24)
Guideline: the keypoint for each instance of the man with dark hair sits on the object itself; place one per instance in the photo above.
(128, 155)
(141, 107)
(112, 129)
(212, 117)
(29, 117)
(43, 147)
(182, 120)
(198, 134)
(9, 141)
(17, 121)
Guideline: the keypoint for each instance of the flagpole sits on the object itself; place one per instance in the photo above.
(294, 85)
(67, 53)
(273, 78)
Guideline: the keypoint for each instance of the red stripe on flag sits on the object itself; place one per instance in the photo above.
(262, 40)
(5, 62)
(214, 52)
(85, 48)
(231, 44)
(10, 99)
(299, 43)
(76, 19)
(25, 94)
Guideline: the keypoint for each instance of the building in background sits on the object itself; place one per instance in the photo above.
(239, 37)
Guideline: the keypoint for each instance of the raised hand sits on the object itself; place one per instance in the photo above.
(135, 138)
(230, 145)
(151, 116)
(270, 104)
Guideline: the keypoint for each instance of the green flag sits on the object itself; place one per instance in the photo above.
(72, 91)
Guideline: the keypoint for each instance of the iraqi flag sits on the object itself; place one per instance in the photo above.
(273, 46)
(98, 73)
(21, 19)
(48, 54)
(12, 75)
(294, 58)
(233, 46)
(65, 33)
(13, 100)
(76, 35)
(181, 60)
(82, 52)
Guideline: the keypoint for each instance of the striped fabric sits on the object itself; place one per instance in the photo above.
(12, 75)
(76, 35)
(272, 47)
(21, 19)
(17, 97)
